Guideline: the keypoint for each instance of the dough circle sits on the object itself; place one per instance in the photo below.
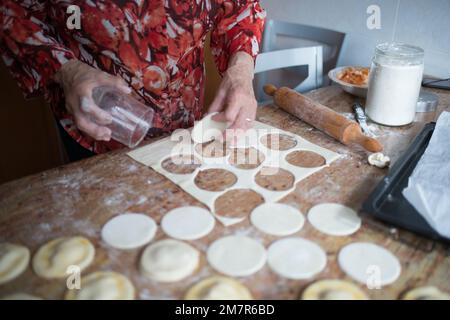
(296, 258)
(218, 288)
(426, 293)
(277, 219)
(365, 261)
(333, 290)
(207, 129)
(334, 219)
(129, 231)
(52, 259)
(103, 285)
(20, 296)
(236, 256)
(14, 260)
(169, 260)
(188, 223)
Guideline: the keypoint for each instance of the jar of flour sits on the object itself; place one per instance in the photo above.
(394, 83)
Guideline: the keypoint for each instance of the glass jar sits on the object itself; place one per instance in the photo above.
(394, 83)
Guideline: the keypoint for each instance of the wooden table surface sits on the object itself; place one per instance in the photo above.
(77, 199)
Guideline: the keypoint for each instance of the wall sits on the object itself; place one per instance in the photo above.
(425, 23)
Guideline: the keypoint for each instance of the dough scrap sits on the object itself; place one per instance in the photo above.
(129, 231)
(379, 160)
(20, 296)
(218, 288)
(277, 219)
(207, 129)
(334, 219)
(103, 285)
(14, 260)
(361, 259)
(188, 223)
(169, 260)
(236, 256)
(426, 293)
(296, 258)
(52, 259)
(333, 290)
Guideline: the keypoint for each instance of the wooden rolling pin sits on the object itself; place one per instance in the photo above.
(321, 117)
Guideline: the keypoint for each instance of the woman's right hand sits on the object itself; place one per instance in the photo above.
(78, 80)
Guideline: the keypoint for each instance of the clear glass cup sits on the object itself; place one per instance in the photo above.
(131, 119)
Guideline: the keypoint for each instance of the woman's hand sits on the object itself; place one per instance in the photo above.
(235, 100)
(78, 80)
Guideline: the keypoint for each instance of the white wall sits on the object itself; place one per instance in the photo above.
(425, 23)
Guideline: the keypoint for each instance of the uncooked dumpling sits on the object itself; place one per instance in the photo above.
(129, 231)
(20, 296)
(169, 260)
(333, 290)
(426, 293)
(14, 260)
(218, 288)
(53, 258)
(103, 285)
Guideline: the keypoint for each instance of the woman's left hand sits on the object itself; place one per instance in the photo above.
(235, 100)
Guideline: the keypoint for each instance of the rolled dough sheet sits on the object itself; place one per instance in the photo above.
(296, 258)
(334, 219)
(129, 231)
(236, 256)
(180, 143)
(277, 219)
(188, 223)
(369, 263)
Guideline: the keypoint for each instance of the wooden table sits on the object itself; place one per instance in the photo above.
(77, 199)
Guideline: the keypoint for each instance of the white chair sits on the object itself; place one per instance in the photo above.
(274, 60)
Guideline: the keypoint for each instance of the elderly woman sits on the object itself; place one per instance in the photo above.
(152, 47)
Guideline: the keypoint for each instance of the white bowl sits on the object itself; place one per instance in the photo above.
(359, 91)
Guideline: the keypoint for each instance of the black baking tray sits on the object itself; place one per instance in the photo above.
(387, 202)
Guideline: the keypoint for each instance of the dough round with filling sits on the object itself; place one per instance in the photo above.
(296, 258)
(236, 256)
(426, 293)
(169, 260)
(277, 219)
(129, 231)
(218, 288)
(208, 129)
(188, 223)
(103, 285)
(333, 290)
(14, 260)
(334, 219)
(365, 262)
(20, 296)
(52, 259)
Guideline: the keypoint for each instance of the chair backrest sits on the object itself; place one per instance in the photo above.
(332, 41)
(274, 60)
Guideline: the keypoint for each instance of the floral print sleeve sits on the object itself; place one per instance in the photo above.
(28, 46)
(156, 46)
(238, 27)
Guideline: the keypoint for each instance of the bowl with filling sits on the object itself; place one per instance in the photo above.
(354, 80)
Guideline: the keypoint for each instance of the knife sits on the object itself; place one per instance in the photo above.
(361, 118)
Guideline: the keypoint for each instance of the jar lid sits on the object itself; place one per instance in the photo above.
(399, 53)
(427, 102)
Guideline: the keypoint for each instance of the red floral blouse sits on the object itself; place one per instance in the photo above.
(156, 46)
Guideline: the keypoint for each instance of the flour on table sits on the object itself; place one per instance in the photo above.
(334, 219)
(103, 285)
(361, 259)
(169, 260)
(296, 258)
(14, 260)
(129, 231)
(188, 223)
(237, 256)
(277, 219)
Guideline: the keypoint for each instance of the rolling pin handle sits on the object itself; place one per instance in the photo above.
(270, 89)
